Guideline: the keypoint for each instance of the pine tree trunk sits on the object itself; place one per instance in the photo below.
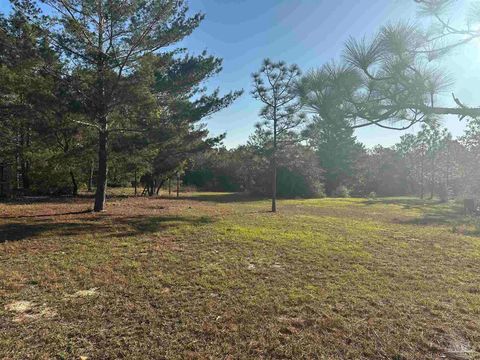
(274, 166)
(74, 184)
(274, 188)
(422, 175)
(100, 194)
(17, 169)
(432, 181)
(101, 117)
(25, 174)
(135, 182)
(90, 178)
(150, 187)
(178, 185)
(25, 164)
(153, 186)
(159, 187)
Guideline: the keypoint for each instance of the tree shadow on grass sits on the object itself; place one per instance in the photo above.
(406, 202)
(88, 211)
(109, 227)
(23, 231)
(217, 197)
(59, 199)
(148, 225)
(433, 212)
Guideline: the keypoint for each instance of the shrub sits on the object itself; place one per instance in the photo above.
(341, 192)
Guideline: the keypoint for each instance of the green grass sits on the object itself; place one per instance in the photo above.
(218, 276)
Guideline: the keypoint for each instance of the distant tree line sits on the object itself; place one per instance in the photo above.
(427, 164)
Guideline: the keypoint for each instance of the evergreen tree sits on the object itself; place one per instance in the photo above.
(399, 68)
(26, 92)
(274, 85)
(336, 148)
(107, 40)
(330, 133)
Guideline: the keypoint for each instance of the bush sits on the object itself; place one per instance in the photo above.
(341, 192)
(372, 195)
(50, 181)
(318, 189)
(296, 184)
(198, 177)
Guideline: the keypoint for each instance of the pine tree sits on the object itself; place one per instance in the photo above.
(330, 133)
(274, 85)
(105, 41)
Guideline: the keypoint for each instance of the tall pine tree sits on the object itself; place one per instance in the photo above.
(106, 40)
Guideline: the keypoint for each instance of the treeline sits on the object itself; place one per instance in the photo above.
(427, 164)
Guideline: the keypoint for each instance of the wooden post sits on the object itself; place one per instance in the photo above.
(169, 186)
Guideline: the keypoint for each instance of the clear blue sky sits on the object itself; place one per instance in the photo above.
(308, 33)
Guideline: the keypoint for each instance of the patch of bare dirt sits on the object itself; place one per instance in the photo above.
(28, 311)
(84, 293)
(455, 347)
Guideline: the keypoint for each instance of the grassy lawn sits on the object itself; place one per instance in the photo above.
(216, 276)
